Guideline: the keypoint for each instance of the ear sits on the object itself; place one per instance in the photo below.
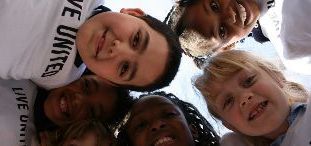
(229, 126)
(132, 11)
(194, 131)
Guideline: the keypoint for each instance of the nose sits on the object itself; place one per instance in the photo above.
(157, 125)
(78, 101)
(113, 49)
(245, 100)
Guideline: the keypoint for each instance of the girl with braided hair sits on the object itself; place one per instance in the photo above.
(160, 118)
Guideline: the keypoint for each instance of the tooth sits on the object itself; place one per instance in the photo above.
(163, 140)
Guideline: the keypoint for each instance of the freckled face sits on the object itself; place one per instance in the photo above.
(222, 22)
(251, 102)
(122, 49)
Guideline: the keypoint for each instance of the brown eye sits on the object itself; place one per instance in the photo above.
(222, 32)
(124, 68)
(136, 39)
(140, 126)
(215, 5)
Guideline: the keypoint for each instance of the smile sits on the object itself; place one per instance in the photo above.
(64, 107)
(242, 12)
(164, 141)
(101, 43)
(258, 110)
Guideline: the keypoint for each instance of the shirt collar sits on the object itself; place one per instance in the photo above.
(295, 109)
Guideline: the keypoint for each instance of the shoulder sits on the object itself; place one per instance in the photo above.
(233, 139)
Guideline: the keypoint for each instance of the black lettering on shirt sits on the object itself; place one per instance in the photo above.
(22, 101)
(61, 49)
(64, 41)
(270, 4)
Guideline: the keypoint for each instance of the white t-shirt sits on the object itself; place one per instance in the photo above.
(16, 114)
(286, 24)
(37, 39)
(299, 132)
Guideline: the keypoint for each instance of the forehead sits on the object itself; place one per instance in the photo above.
(150, 103)
(216, 86)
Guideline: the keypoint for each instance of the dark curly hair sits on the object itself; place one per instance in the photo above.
(206, 133)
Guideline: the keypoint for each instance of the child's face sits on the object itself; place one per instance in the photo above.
(90, 139)
(86, 97)
(250, 102)
(156, 121)
(122, 48)
(222, 22)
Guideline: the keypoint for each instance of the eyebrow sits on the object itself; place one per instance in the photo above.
(143, 48)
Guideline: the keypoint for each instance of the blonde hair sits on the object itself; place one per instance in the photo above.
(226, 64)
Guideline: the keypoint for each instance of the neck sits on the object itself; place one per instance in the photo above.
(279, 131)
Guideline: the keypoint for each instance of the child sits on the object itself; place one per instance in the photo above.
(220, 23)
(40, 42)
(25, 111)
(88, 97)
(163, 119)
(84, 133)
(252, 98)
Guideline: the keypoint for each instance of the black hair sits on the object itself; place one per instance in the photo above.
(173, 58)
(122, 106)
(207, 136)
(180, 27)
(43, 123)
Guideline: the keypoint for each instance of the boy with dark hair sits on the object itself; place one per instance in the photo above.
(120, 48)
(221, 23)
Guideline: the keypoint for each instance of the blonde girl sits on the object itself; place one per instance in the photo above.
(251, 96)
(82, 133)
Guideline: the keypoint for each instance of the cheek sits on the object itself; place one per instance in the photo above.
(138, 139)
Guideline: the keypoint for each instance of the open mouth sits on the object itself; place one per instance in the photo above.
(64, 106)
(164, 141)
(258, 110)
(242, 12)
(101, 42)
